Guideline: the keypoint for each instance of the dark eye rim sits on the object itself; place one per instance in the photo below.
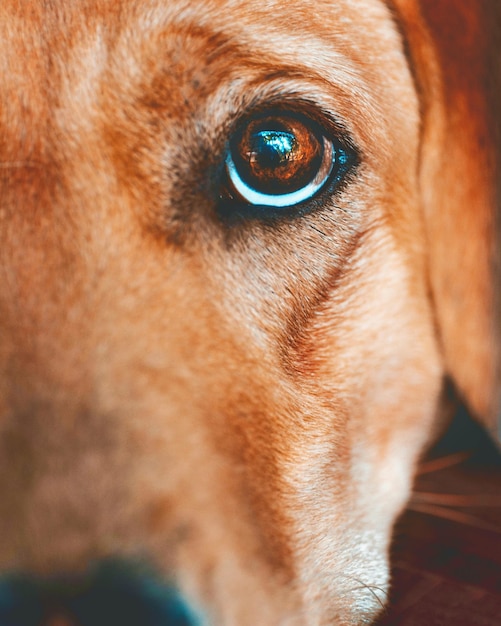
(234, 208)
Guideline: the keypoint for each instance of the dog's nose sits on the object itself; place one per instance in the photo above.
(112, 596)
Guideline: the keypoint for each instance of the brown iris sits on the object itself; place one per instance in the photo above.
(277, 154)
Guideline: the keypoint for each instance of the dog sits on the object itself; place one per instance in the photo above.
(243, 246)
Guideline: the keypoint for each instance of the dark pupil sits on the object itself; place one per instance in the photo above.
(276, 157)
(273, 148)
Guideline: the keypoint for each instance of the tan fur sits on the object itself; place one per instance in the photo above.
(243, 404)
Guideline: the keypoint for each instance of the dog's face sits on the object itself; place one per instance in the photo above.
(218, 344)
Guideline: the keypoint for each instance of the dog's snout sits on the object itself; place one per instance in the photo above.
(112, 595)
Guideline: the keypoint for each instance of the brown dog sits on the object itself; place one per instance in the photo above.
(242, 245)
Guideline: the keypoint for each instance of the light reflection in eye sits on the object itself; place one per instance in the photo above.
(277, 147)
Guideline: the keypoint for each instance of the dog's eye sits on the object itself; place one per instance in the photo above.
(282, 160)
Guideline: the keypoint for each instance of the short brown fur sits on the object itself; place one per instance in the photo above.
(241, 401)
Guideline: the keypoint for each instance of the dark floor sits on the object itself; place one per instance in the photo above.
(447, 547)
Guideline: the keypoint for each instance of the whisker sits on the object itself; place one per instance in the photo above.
(371, 588)
(443, 462)
(449, 499)
(454, 516)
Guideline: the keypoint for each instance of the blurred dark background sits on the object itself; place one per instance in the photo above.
(446, 555)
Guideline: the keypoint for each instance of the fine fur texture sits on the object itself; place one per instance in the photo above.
(242, 402)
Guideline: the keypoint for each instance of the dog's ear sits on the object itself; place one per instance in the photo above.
(455, 55)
